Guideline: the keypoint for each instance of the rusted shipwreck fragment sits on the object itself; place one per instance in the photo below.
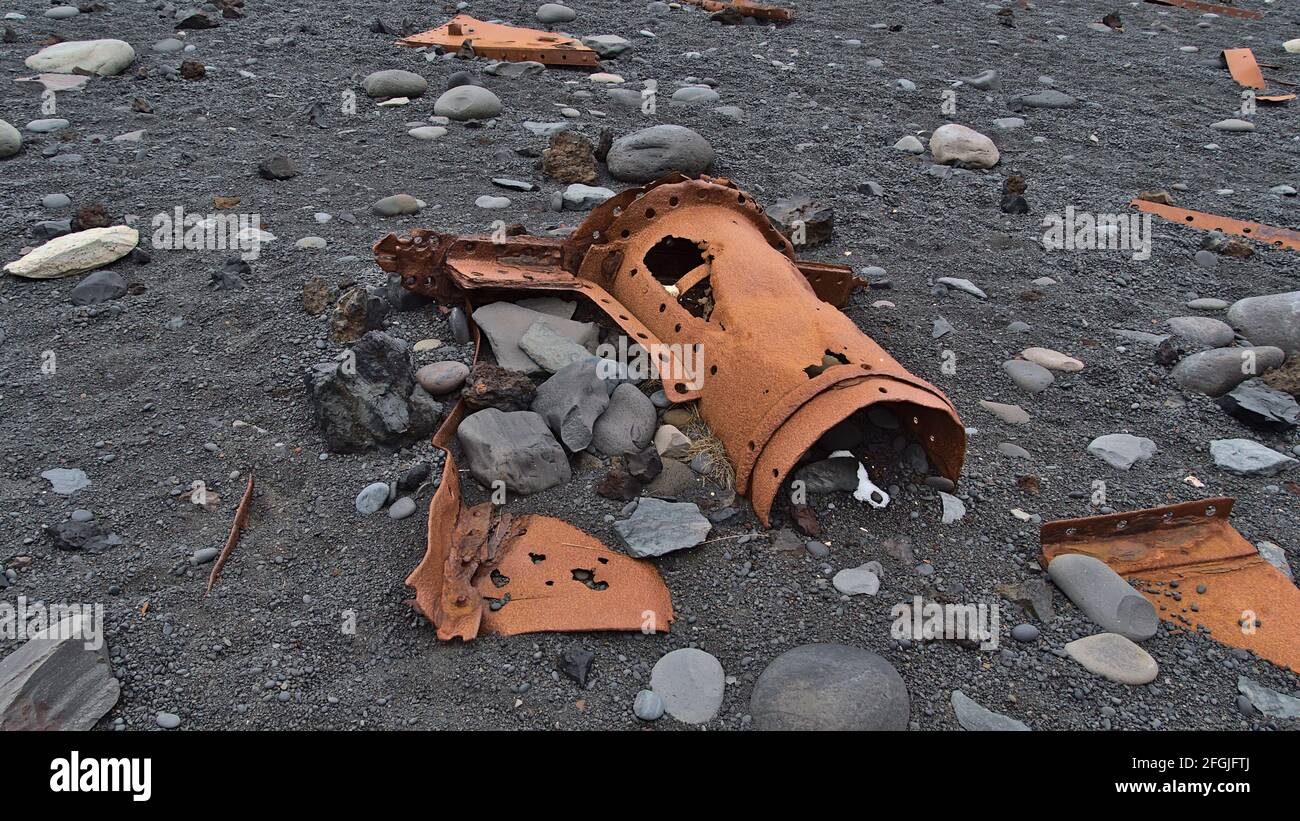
(690, 265)
(497, 41)
(1196, 569)
(758, 11)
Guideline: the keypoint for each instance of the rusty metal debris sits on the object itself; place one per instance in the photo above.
(758, 11)
(501, 42)
(1196, 569)
(1245, 70)
(1215, 8)
(236, 528)
(694, 264)
(1280, 237)
(488, 571)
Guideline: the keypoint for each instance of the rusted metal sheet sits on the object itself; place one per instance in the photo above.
(758, 11)
(693, 264)
(1174, 553)
(488, 571)
(1280, 237)
(1214, 8)
(1245, 70)
(502, 42)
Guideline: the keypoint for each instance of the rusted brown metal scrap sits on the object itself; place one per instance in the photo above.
(676, 263)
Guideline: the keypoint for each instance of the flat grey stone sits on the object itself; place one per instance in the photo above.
(1276, 556)
(829, 687)
(1030, 377)
(953, 508)
(1104, 596)
(657, 527)
(1122, 450)
(66, 481)
(505, 324)
(692, 95)
(394, 83)
(579, 197)
(514, 71)
(515, 448)
(975, 717)
(691, 684)
(607, 45)
(97, 287)
(1048, 98)
(627, 425)
(1217, 371)
(1268, 702)
(858, 581)
(1011, 414)
(1114, 657)
(550, 349)
(54, 682)
(1261, 406)
(1245, 457)
(963, 285)
(571, 401)
(1205, 331)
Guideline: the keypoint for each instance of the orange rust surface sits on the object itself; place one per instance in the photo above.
(1243, 68)
(501, 42)
(769, 323)
(758, 11)
(1215, 8)
(1281, 237)
(1247, 602)
(477, 555)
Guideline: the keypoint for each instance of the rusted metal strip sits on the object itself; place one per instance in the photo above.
(487, 571)
(1214, 8)
(767, 403)
(1280, 237)
(236, 528)
(501, 42)
(758, 11)
(1196, 569)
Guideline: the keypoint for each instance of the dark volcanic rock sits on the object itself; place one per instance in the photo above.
(371, 399)
(492, 386)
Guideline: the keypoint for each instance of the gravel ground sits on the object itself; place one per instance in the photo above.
(138, 395)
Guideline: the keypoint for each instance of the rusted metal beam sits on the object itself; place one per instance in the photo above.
(502, 42)
(1280, 237)
(1196, 569)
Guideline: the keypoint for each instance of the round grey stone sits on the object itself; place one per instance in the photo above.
(168, 721)
(691, 684)
(1024, 633)
(555, 13)
(372, 498)
(402, 508)
(394, 83)
(830, 687)
(650, 153)
(442, 377)
(467, 103)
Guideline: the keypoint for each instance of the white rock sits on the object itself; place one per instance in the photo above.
(106, 57)
(954, 143)
(76, 253)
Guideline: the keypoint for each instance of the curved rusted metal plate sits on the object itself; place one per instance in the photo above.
(470, 550)
(501, 42)
(1247, 602)
(758, 11)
